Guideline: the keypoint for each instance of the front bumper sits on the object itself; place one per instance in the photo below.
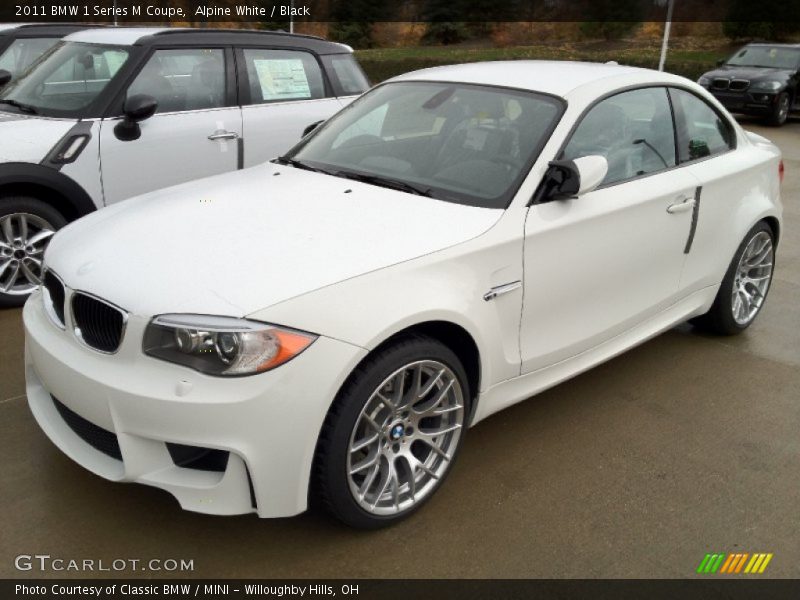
(268, 423)
(748, 102)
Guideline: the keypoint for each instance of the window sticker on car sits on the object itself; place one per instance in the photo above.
(282, 78)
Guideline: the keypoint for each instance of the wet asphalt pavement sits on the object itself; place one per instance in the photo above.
(685, 445)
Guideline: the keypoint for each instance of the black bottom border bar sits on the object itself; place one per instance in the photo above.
(397, 589)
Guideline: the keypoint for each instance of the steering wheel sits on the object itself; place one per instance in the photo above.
(505, 161)
(364, 139)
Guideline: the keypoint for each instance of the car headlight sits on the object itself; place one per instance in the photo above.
(704, 81)
(222, 345)
(766, 86)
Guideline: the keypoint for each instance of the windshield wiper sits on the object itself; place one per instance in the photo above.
(299, 164)
(386, 182)
(27, 108)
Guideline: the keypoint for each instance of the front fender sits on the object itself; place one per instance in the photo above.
(445, 286)
(68, 196)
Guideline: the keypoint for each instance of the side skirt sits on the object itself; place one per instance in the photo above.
(506, 393)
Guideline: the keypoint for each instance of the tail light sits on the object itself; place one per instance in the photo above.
(781, 170)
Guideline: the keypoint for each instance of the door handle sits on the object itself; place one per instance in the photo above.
(682, 206)
(223, 135)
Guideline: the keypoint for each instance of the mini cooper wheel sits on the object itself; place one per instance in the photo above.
(744, 289)
(26, 226)
(393, 434)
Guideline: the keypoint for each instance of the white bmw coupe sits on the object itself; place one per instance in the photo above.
(326, 326)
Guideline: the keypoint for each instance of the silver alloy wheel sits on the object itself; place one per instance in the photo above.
(23, 238)
(405, 437)
(752, 278)
(783, 108)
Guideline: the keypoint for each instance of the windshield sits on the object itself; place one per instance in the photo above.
(766, 56)
(22, 52)
(66, 80)
(458, 142)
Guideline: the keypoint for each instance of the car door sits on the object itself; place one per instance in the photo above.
(598, 264)
(705, 142)
(193, 134)
(284, 91)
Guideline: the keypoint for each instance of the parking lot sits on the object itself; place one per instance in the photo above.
(686, 445)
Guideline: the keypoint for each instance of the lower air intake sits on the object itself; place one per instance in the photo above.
(98, 438)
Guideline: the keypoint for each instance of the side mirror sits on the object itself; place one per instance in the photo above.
(592, 170)
(136, 108)
(566, 179)
(5, 77)
(720, 62)
(311, 128)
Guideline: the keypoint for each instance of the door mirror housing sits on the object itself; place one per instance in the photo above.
(565, 179)
(720, 62)
(5, 77)
(311, 128)
(136, 109)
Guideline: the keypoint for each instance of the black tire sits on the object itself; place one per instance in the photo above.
(719, 319)
(780, 112)
(11, 205)
(330, 485)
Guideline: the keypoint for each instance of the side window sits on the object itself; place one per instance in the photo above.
(346, 74)
(84, 73)
(632, 130)
(183, 79)
(21, 53)
(702, 131)
(282, 75)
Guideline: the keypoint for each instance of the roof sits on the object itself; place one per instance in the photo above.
(121, 36)
(178, 36)
(772, 44)
(41, 29)
(558, 78)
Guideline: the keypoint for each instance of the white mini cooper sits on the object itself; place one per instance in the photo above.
(455, 241)
(111, 113)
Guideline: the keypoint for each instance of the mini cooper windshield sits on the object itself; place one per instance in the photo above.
(462, 143)
(66, 80)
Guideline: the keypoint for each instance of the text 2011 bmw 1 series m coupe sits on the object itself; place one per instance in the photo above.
(458, 239)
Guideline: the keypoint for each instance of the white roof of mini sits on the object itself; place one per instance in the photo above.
(121, 36)
(7, 26)
(549, 76)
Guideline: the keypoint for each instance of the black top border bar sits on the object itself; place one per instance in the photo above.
(196, 12)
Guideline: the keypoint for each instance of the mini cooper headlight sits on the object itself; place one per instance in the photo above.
(222, 345)
(767, 86)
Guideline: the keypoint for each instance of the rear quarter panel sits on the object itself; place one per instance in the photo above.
(740, 188)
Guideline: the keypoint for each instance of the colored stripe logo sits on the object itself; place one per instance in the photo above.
(734, 563)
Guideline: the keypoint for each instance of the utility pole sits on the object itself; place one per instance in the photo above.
(665, 41)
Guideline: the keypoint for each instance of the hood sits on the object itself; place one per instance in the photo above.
(752, 74)
(243, 241)
(25, 138)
